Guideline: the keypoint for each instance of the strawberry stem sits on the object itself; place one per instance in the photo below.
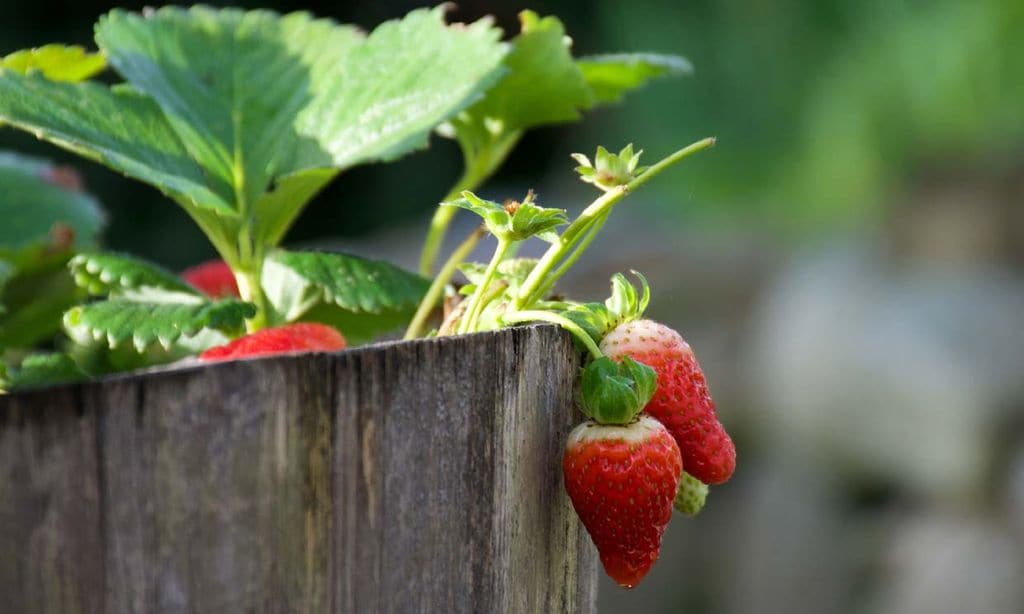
(476, 301)
(520, 317)
(480, 165)
(436, 288)
(591, 232)
(542, 275)
(250, 290)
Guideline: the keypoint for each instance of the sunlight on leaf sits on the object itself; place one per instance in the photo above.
(56, 62)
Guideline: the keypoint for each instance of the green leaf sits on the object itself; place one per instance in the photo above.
(38, 370)
(6, 272)
(35, 296)
(513, 221)
(266, 103)
(120, 321)
(543, 85)
(44, 215)
(56, 62)
(361, 297)
(116, 126)
(34, 205)
(612, 76)
(121, 276)
(233, 112)
(494, 215)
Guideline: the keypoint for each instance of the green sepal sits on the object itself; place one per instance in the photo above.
(513, 221)
(609, 170)
(691, 495)
(593, 318)
(122, 276)
(625, 304)
(616, 393)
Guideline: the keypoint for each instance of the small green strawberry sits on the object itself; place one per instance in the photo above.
(691, 495)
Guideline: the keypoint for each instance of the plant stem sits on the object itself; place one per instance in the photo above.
(480, 165)
(591, 232)
(436, 288)
(476, 301)
(250, 289)
(542, 274)
(546, 316)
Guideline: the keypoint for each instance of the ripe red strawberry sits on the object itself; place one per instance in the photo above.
(622, 480)
(214, 278)
(301, 337)
(682, 401)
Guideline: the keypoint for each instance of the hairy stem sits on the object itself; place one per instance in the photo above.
(543, 275)
(251, 290)
(444, 276)
(590, 232)
(480, 165)
(546, 316)
(476, 301)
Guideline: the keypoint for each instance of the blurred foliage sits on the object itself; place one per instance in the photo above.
(46, 216)
(823, 109)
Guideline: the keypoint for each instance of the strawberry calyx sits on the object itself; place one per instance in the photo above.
(609, 170)
(615, 393)
(624, 305)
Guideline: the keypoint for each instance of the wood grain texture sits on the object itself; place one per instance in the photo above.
(401, 477)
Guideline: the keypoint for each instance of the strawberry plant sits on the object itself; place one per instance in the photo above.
(241, 117)
(47, 217)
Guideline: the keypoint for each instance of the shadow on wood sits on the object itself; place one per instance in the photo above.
(401, 477)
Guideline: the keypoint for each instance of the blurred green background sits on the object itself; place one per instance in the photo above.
(847, 263)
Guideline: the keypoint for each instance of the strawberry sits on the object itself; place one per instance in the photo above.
(691, 495)
(301, 337)
(622, 481)
(214, 278)
(681, 402)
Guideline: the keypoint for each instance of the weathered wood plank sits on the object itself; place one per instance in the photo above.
(51, 513)
(404, 477)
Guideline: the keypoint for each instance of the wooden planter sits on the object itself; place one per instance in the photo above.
(401, 477)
